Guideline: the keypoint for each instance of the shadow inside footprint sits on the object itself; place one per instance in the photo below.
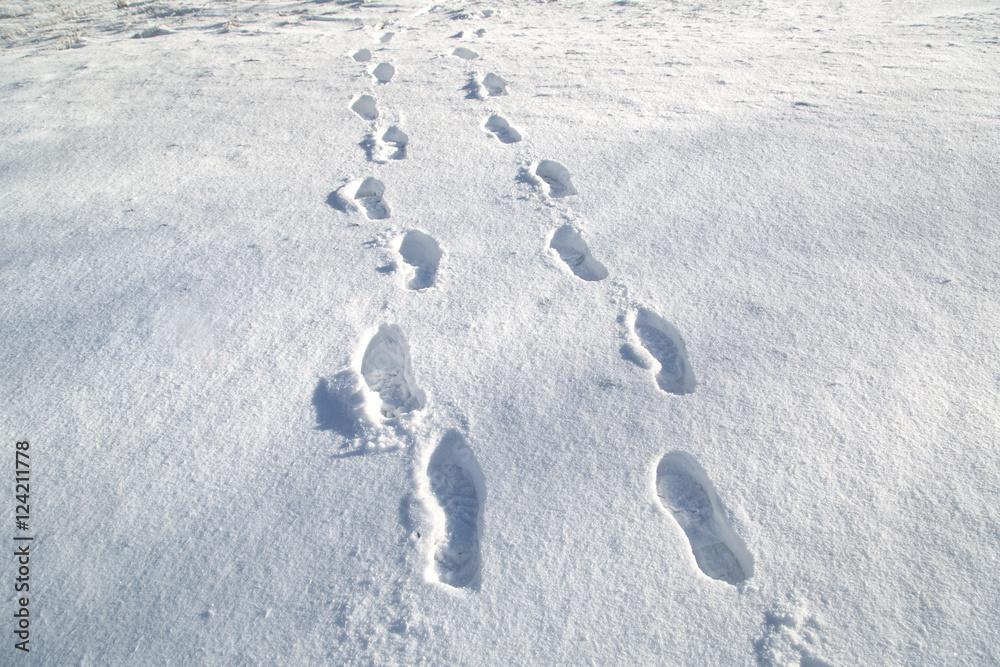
(392, 145)
(663, 342)
(364, 106)
(383, 72)
(494, 85)
(573, 250)
(421, 252)
(457, 483)
(362, 194)
(464, 53)
(685, 490)
(556, 177)
(501, 129)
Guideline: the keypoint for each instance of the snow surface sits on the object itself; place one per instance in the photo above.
(797, 207)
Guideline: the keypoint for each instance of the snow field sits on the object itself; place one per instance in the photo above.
(202, 242)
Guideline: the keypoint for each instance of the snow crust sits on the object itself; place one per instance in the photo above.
(387, 333)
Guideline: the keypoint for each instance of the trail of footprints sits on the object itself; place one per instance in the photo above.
(453, 478)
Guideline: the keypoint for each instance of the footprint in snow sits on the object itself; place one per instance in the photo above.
(490, 85)
(391, 145)
(364, 106)
(457, 484)
(386, 36)
(387, 371)
(422, 256)
(501, 129)
(568, 242)
(464, 53)
(151, 32)
(494, 85)
(663, 347)
(362, 55)
(383, 72)
(685, 490)
(362, 194)
(553, 177)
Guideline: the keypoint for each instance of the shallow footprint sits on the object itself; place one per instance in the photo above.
(387, 370)
(457, 483)
(501, 129)
(421, 252)
(464, 53)
(555, 178)
(572, 249)
(685, 490)
(663, 342)
(362, 55)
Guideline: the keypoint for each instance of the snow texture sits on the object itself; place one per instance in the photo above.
(710, 289)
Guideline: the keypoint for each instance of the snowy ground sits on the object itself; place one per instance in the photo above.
(760, 237)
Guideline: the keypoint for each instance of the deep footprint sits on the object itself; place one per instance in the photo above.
(664, 343)
(423, 254)
(685, 490)
(366, 194)
(364, 106)
(555, 177)
(501, 129)
(383, 72)
(456, 481)
(572, 249)
(494, 85)
(387, 371)
(391, 145)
